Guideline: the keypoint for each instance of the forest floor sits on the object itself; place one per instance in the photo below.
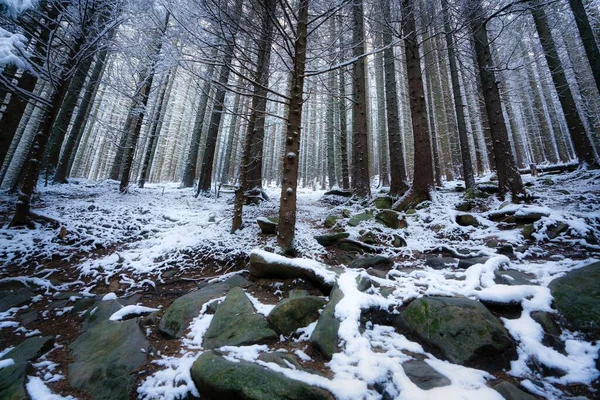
(153, 245)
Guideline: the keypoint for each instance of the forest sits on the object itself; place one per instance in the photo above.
(299, 199)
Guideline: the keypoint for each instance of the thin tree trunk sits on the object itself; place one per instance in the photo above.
(287, 205)
(384, 178)
(465, 153)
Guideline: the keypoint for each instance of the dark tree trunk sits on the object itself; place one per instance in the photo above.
(154, 131)
(587, 37)
(384, 179)
(189, 172)
(289, 184)
(343, 130)
(205, 179)
(360, 150)
(398, 185)
(423, 168)
(256, 123)
(64, 164)
(583, 145)
(509, 179)
(465, 153)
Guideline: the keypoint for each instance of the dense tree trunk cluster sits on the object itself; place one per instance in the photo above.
(256, 93)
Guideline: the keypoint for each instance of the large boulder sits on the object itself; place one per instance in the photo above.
(376, 262)
(331, 239)
(13, 294)
(30, 349)
(218, 378)
(356, 219)
(269, 265)
(184, 309)
(462, 330)
(106, 358)
(391, 219)
(383, 202)
(293, 313)
(325, 335)
(577, 297)
(355, 246)
(13, 379)
(235, 323)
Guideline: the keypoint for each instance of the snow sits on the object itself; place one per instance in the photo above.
(165, 231)
(16, 7)
(37, 390)
(6, 363)
(301, 263)
(131, 310)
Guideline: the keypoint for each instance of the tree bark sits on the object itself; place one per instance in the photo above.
(465, 153)
(423, 164)
(587, 37)
(360, 147)
(289, 184)
(583, 146)
(509, 179)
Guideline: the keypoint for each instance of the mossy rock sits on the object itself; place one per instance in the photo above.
(330, 221)
(331, 239)
(464, 331)
(356, 219)
(528, 231)
(383, 203)
(466, 220)
(577, 297)
(296, 312)
(325, 335)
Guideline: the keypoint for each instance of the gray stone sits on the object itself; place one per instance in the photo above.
(356, 219)
(552, 332)
(261, 267)
(106, 358)
(530, 217)
(466, 220)
(293, 313)
(355, 246)
(377, 262)
(398, 241)
(297, 293)
(391, 219)
(12, 381)
(331, 239)
(218, 378)
(528, 231)
(577, 297)
(464, 206)
(463, 330)
(557, 229)
(511, 392)
(422, 375)
(235, 323)
(512, 278)
(280, 358)
(101, 311)
(325, 335)
(267, 226)
(440, 262)
(184, 309)
(14, 298)
(237, 280)
(383, 203)
(469, 262)
(30, 349)
(29, 318)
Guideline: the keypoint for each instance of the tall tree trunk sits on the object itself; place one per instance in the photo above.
(343, 130)
(423, 164)
(330, 117)
(509, 179)
(138, 110)
(384, 178)
(155, 130)
(256, 122)
(360, 146)
(225, 177)
(60, 176)
(289, 184)
(205, 179)
(189, 171)
(583, 146)
(398, 183)
(587, 37)
(465, 153)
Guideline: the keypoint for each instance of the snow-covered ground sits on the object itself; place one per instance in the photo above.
(139, 236)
